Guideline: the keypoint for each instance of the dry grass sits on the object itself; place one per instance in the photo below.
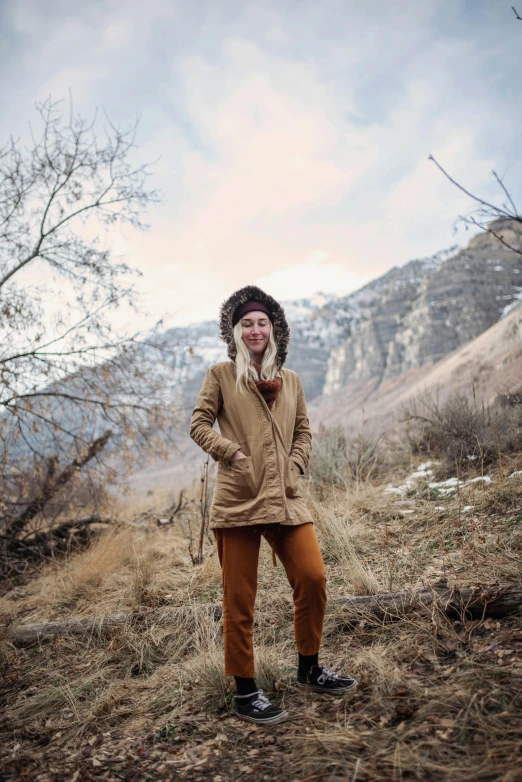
(432, 705)
(438, 699)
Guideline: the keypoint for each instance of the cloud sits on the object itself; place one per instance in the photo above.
(293, 140)
(316, 274)
(272, 152)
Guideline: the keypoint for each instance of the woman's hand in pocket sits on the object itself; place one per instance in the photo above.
(293, 473)
(238, 455)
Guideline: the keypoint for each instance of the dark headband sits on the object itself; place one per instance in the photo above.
(248, 306)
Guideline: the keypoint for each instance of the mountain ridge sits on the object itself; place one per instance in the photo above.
(412, 314)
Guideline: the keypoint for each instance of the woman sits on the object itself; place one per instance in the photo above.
(262, 449)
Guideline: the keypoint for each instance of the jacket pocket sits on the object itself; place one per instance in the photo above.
(292, 475)
(237, 481)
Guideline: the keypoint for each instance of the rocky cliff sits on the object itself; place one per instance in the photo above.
(485, 367)
(425, 310)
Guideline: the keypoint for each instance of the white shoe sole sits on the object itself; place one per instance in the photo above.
(270, 721)
(323, 691)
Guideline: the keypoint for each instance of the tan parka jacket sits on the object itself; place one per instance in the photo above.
(264, 487)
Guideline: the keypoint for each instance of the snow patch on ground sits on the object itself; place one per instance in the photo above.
(517, 298)
(446, 487)
(424, 473)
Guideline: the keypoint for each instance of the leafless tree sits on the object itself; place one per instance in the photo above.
(77, 397)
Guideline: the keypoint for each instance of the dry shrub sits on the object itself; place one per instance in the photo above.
(463, 431)
(113, 705)
(193, 665)
(205, 580)
(358, 573)
(127, 567)
(350, 514)
(339, 459)
(328, 461)
(274, 666)
(143, 574)
(347, 527)
(200, 681)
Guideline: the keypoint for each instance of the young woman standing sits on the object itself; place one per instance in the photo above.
(262, 449)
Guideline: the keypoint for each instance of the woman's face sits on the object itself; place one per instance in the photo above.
(255, 332)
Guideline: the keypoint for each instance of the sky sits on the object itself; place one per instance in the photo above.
(290, 139)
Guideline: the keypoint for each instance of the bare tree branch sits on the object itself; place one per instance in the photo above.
(487, 212)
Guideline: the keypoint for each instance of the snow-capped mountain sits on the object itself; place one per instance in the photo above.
(411, 315)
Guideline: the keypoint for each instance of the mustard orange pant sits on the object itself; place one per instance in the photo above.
(298, 550)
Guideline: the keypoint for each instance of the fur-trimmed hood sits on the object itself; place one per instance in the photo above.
(280, 324)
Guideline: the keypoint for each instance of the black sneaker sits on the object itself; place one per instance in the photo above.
(326, 681)
(256, 707)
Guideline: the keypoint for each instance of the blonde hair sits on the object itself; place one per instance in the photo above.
(245, 369)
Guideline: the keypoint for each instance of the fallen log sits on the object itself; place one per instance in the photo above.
(479, 601)
(61, 534)
(25, 635)
(493, 600)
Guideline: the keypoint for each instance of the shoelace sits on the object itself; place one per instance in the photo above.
(327, 675)
(262, 702)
